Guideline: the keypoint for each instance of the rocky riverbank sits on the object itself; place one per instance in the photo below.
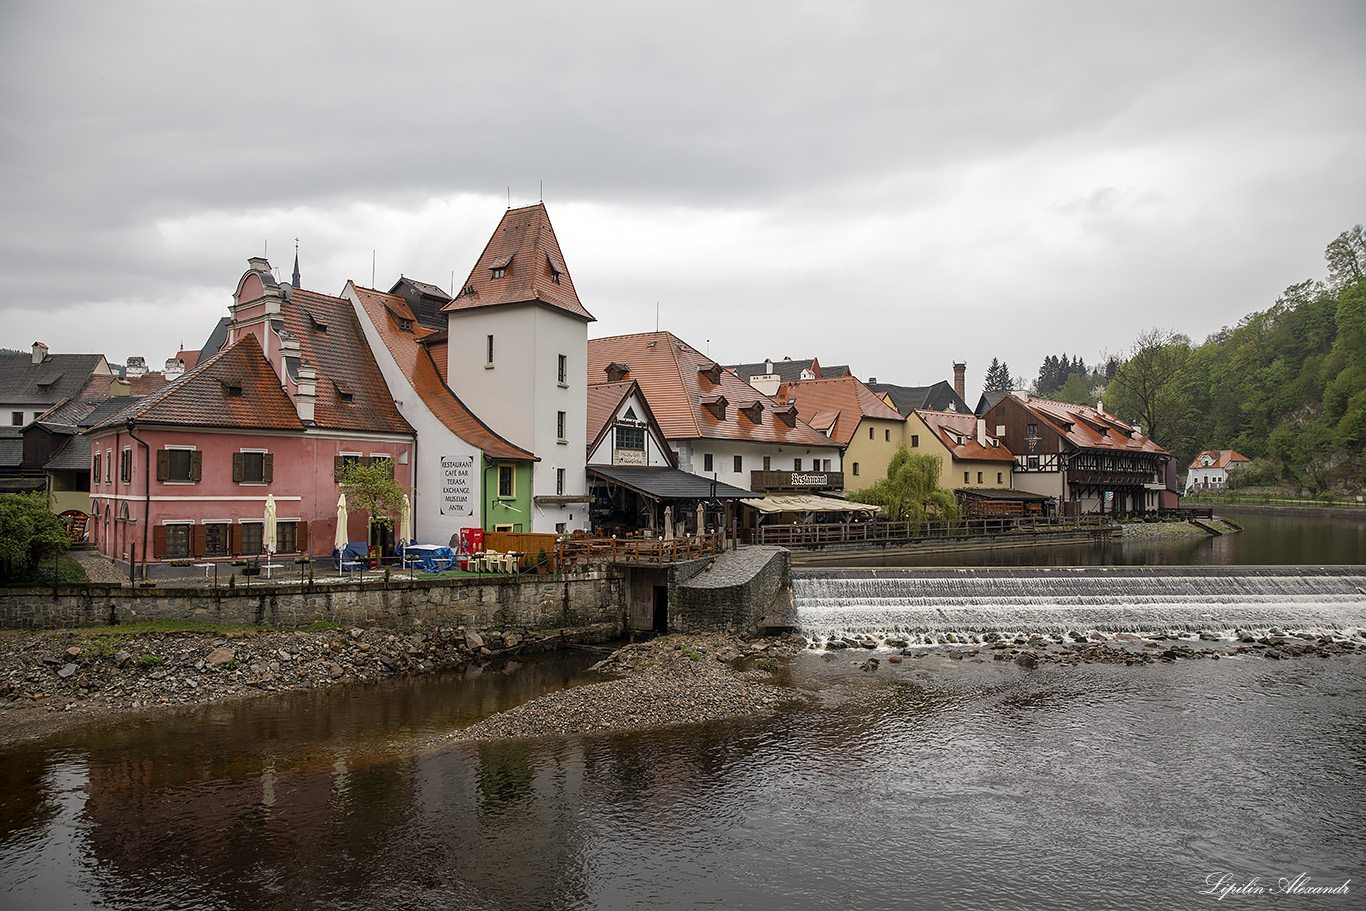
(1175, 529)
(674, 679)
(1093, 647)
(52, 680)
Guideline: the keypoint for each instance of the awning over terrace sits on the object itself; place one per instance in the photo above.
(667, 483)
(805, 502)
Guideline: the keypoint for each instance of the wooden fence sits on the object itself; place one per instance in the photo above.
(854, 532)
(638, 550)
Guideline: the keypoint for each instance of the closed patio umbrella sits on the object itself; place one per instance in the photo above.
(340, 540)
(268, 529)
(405, 521)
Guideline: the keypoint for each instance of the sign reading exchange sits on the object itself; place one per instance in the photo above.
(457, 485)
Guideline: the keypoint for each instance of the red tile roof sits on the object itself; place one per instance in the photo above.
(1087, 428)
(344, 364)
(524, 244)
(1223, 458)
(201, 398)
(605, 400)
(841, 402)
(958, 433)
(419, 367)
(668, 372)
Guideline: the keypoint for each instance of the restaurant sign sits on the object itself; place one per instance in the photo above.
(457, 485)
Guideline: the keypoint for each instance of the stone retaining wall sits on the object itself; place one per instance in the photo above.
(738, 590)
(531, 603)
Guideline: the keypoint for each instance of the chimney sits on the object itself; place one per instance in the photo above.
(307, 393)
(39, 352)
(872, 380)
(981, 431)
(174, 368)
(959, 368)
(136, 367)
(119, 388)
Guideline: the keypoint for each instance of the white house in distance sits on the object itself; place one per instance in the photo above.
(516, 354)
(1211, 468)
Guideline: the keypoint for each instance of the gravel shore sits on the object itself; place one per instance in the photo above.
(674, 679)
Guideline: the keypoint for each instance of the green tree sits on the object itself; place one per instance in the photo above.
(1148, 385)
(371, 488)
(998, 378)
(1346, 257)
(911, 489)
(29, 531)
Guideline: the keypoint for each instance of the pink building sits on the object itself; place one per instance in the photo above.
(184, 473)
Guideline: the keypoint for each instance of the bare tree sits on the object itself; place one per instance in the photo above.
(1147, 384)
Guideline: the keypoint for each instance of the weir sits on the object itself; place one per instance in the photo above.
(925, 603)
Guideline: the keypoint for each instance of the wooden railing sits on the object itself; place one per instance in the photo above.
(637, 550)
(854, 532)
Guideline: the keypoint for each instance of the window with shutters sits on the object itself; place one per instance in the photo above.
(253, 467)
(287, 537)
(177, 466)
(216, 540)
(251, 537)
(126, 466)
(96, 472)
(178, 541)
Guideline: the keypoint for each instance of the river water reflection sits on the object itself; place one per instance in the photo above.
(930, 784)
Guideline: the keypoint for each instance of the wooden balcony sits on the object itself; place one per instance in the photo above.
(653, 551)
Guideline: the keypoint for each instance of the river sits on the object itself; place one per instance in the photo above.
(933, 783)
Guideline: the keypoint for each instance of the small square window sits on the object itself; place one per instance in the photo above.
(16, 418)
(915, 440)
(856, 469)
(796, 464)
(707, 462)
(965, 477)
(739, 464)
(507, 481)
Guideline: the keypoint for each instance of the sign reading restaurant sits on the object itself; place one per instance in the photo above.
(809, 479)
(796, 480)
(457, 485)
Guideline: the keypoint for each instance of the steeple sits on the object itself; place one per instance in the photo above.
(295, 282)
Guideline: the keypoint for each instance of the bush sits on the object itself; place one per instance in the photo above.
(29, 532)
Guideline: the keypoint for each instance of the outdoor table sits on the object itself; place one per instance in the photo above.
(204, 566)
(268, 567)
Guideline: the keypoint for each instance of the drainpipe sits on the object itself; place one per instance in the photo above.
(146, 490)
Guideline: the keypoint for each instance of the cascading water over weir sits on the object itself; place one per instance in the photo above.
(926, 603)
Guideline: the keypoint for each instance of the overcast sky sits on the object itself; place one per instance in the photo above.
(890, 185)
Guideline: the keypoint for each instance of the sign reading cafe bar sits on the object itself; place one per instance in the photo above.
(457, 485)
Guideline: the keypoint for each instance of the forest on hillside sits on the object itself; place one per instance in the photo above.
(1285, 387)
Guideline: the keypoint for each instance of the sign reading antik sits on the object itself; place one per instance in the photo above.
(457, 485)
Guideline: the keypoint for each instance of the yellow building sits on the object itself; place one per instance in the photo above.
(969, 456)
(844, 409)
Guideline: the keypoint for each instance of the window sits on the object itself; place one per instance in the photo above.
(177, 541)
(870, 433)
(796, 464)
(998, 478)
(739, 464)
(1031, 430)
(915, 440)
(253, 467)
(126, 466)
(856, 469)
(979, 477)
(500, 272)
(563, 370)
(1034, 462)
(251, 537)
(179, 466)
(507, 481)
(707, 462)
(825, 465)
(886, 436)
(286, 537)
(559, 427)
(965, 477)
(488, 359)
(632, 438)
(559, 482)
(561, 528)
(768, 463)
(16, 418)
(96, 471)
(216, 540)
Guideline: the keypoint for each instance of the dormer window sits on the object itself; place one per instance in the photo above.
(786, 413)
(499, 267)
(318, 325)
(405, 325)
(712, 372)
(233, 392)
(715, 406)
(344, 394)
(555, 268)
(754, 411)
(616, 372)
